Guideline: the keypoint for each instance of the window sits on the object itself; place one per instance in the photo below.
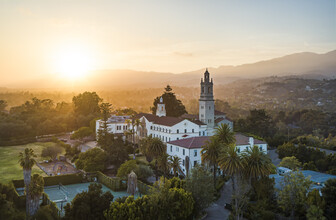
(169, 138)
(193, 130)
(260, 148)
(238, 149)
(195, 153)
(199, 133)
(209, 90)
(195, 162)
(118, 127)
(183, 162)
(177, 131)
(209, 107)
(177, 138)
(246, 148)
(203, 133)
(171, 148)
(185, 130)
(202, 115)
(166, 139)
(202, 107)
(183, 151)
(151, 127)
(177, 149)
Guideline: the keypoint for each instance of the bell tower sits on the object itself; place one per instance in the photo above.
(206, 101)
(161, 108)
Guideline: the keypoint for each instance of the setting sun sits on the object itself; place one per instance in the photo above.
(73, 62)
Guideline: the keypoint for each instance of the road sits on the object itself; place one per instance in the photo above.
(217, 211)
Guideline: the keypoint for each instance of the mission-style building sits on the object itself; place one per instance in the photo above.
(185, 135)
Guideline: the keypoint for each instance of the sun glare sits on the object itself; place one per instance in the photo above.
(73, 63)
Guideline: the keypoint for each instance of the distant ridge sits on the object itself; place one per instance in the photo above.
(305, 64)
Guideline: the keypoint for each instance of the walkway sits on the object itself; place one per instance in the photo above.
(217, 211)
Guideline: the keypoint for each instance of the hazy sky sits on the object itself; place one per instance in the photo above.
(37, 37)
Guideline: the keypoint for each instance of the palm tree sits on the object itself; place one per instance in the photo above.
(27, 161)
(225, 134)
(155, 149)
(232, 164)
(210, 154)
(257, 163)
(164, 165)
(35, 190)
(175, 162)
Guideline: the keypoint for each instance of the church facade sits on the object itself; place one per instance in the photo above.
(176, 128)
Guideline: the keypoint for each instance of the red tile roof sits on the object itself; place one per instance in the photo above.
(199, 142)
(219, 120)
(166, 120)
(219, 113)
(190, 143)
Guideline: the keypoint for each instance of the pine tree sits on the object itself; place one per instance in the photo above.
(174, 106)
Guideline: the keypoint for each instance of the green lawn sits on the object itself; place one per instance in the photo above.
(9, 156)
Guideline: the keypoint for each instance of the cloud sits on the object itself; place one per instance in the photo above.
(183, 54)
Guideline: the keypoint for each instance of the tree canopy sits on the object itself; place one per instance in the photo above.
(86, 103)
(92, 160)
(174, 106)
(89, 204)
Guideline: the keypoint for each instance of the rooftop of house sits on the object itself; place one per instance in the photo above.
(316, 177)
(166, 120)
(199, 142)
(118, 119)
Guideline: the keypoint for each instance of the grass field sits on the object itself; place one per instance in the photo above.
(9, 156)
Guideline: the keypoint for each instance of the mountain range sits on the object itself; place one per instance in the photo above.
(305, 65)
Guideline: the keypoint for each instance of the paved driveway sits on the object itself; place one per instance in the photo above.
(274, 157)
(217, 211)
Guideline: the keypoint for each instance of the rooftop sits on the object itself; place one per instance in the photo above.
(318, 178)
(118, 119)
(199, 142)
(166, 120)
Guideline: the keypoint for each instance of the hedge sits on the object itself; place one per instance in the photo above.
(143, 188)
(17, 141)
(113, 183)
(54, 180)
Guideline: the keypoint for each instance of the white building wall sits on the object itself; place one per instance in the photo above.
(175, 132)
(207, 112)
(174, 150)
(115, 128)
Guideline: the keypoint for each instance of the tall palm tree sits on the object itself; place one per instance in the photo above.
(164, 165)
(257, 163)
(233, 165)
(27, 161)
(155, 149)
(35, 190)
(225, 135)
(210, 154)
(175, 162)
